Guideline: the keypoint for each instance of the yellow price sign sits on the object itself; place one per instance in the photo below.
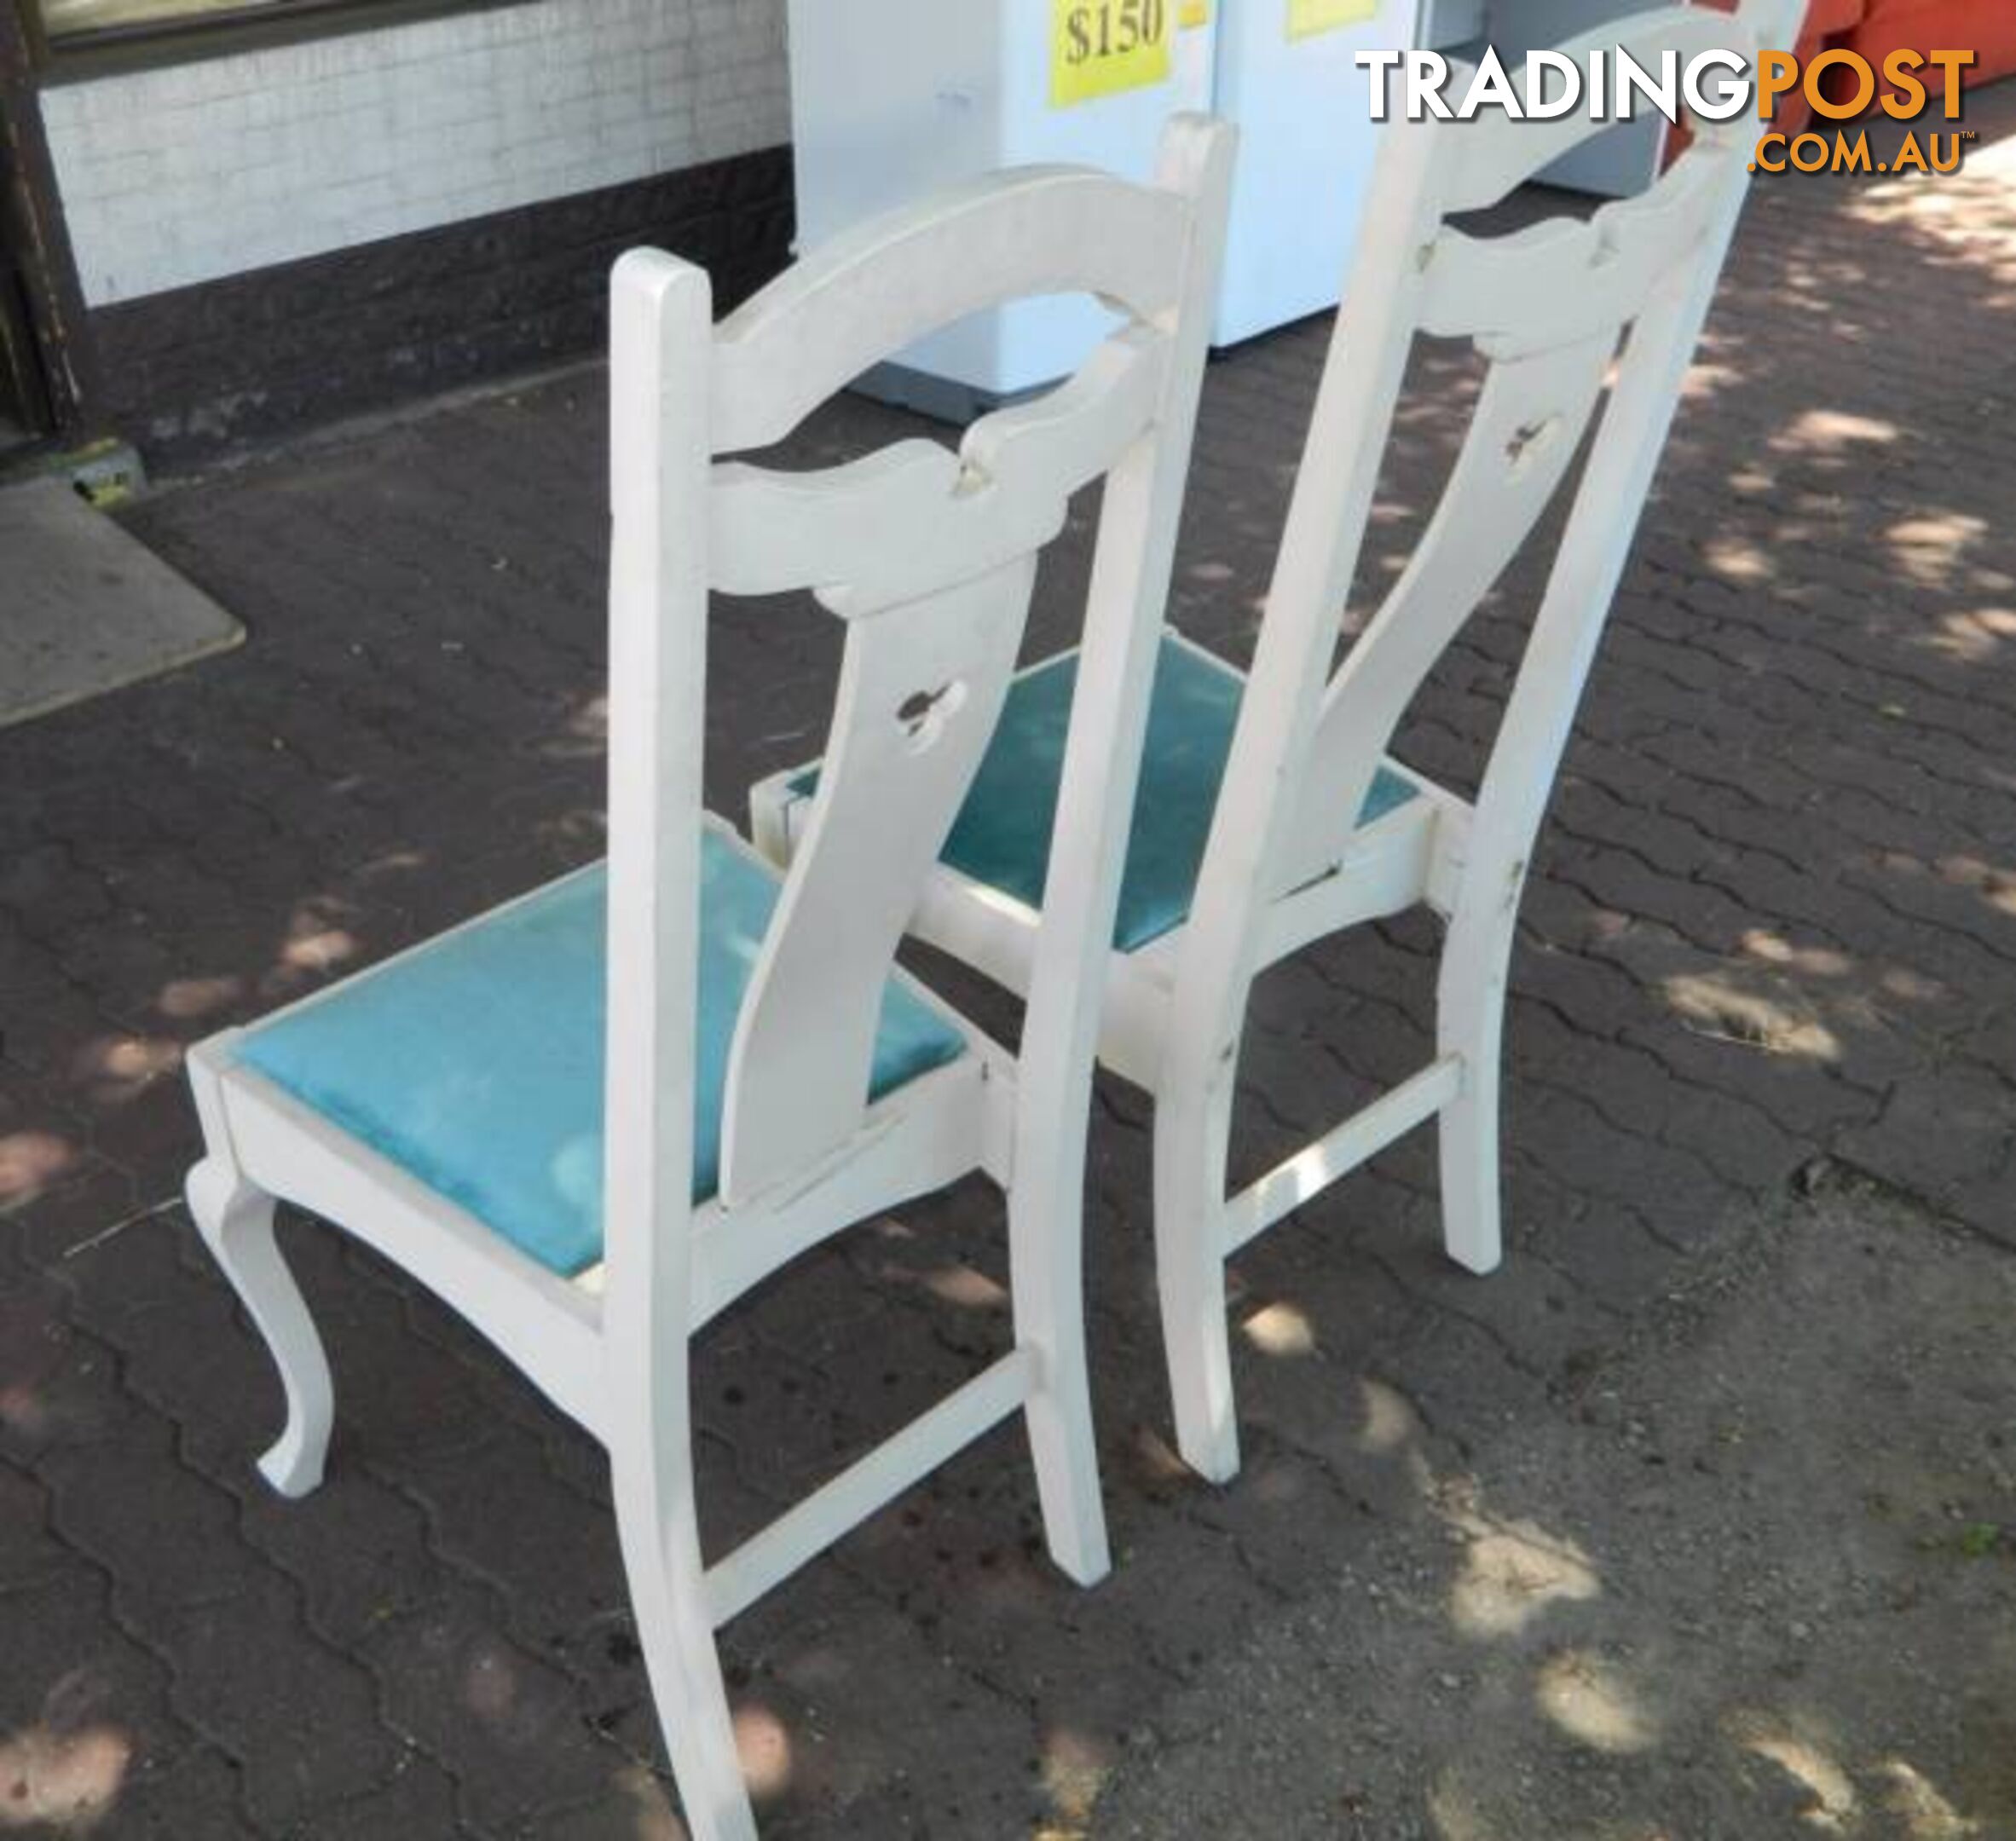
(1306, 18)
(1099, 47)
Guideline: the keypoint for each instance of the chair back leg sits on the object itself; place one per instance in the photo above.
(656, 1524)
(1050, 1319)
(1193, 1135)
(1470, 1024)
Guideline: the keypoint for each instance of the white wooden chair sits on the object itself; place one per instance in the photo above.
(769, 1079)
(1270, 814)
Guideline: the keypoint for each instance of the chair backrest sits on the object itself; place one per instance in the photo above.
(928, 556)
(1563, 311)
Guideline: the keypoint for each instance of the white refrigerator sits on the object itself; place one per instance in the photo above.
(891, 99)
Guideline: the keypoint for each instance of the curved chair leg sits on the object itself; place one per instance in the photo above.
(235, 1219)
(1470, 1021)
(1048, 1282)
(668, 1596)
(1192, 1134)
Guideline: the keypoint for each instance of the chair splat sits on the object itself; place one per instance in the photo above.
(1529, 420)
(921, 687)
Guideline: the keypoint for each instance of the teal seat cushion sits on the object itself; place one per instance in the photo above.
(1002, 837)
(475, 1062)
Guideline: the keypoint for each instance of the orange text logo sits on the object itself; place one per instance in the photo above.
(1839, 85)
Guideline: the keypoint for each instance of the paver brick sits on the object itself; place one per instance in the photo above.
(29, 1550)
(417, 1801)
(504, 1726)
(85, 1725)
(299, 1718)
(58, 1388)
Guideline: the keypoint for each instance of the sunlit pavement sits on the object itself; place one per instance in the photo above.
(1698, 1520)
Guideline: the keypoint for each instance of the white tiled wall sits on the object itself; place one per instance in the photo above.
(201, 169)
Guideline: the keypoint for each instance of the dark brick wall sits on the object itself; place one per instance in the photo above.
(196, 370)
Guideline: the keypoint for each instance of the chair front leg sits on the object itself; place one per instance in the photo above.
(235, 1216)
(1193, 1134)
(235, 1219)
(660, 1542)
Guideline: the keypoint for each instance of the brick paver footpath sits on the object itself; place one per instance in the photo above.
(1766, 998)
